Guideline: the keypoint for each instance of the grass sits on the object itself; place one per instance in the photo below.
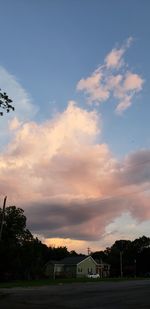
(38, 283)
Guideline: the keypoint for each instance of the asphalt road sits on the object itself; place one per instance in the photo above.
(110, 295)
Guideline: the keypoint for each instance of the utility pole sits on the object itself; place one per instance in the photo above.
(135, 268)
(121, 272)
(101, 268)
(88, 251)
(3, 217)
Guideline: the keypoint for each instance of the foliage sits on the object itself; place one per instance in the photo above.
(22, 256)
(5, 103)
(99, 256)
(14, 236)
(14, 227)
(57, 253)
(134, 256)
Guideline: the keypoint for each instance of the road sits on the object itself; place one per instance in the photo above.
(102, 295)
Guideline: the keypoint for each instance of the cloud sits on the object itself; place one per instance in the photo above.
(123, 227)
(14, 124)
(133, 82)
(124, 104)
(114, 60)
(22, 101)
(77, 245)
(71, 186)
(25, 110)
(37, 150)
(136, 168)
(94, 87)
(112, 81)
(77, 219)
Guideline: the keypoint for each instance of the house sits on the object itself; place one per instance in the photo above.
(103, 269)
(75, 267)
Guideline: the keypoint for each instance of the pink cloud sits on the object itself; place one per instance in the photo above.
(133, 82)
(114, 58)
(69, 185)
(93, 87)
(124, 104)
(112, 81)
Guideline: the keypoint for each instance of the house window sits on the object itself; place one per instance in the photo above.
(58, 268)
(79, 270)
(90, 271)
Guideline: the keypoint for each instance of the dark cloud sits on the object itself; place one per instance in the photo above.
(76, 220)
(136, 168)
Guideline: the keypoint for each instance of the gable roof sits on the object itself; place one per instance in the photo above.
(74, 260)
(53, 262)
(87, 257)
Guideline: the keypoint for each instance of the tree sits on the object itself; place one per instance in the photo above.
(57, 253)
(14, 226)
(73, 253)
(14, 236)
(5, 103)
(141, 243)
(33, 257)
(100, 256)
(129, 258)
(21, 255)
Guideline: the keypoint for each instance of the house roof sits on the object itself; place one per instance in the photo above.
(74, 260)
(52, 262)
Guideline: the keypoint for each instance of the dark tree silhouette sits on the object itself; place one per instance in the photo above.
(135, 256)
(5, 103)
(22, 256)
(14, 227)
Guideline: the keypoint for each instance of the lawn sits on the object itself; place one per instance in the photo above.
(36, 283)
(32, 283)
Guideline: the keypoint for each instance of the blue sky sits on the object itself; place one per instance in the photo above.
(48, 46)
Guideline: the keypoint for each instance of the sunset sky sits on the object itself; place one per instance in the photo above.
(75, 154)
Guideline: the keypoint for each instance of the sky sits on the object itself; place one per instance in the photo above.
(75, 153)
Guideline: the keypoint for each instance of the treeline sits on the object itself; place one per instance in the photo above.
(127, 258)
(22, 256)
